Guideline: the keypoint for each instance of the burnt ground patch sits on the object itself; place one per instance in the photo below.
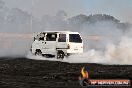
(27, 73)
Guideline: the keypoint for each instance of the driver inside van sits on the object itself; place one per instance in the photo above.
(51, 37)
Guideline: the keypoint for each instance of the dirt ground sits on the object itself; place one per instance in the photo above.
(27, 73)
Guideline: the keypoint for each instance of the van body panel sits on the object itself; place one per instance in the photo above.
(75, 48)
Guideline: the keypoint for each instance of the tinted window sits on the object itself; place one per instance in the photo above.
(75, 38)
(51, 37)
(62, 38)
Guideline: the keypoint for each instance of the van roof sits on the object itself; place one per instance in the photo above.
(61, 32)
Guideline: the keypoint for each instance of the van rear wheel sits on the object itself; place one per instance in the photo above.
(60, 55)
(38, 53)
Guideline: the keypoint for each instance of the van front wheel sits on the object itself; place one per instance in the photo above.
(60, 55)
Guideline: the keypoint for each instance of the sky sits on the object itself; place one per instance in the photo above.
(121, 9)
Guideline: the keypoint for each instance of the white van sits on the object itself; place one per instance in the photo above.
(59, 44)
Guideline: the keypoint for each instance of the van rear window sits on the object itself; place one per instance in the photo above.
(75, 38)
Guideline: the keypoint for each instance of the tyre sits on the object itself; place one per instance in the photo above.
(60, 55)
(38, 52)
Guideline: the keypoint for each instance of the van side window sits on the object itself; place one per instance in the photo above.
(75, 38)
(51, 37)
(62, 38)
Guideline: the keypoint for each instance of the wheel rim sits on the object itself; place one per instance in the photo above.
(60, 55)
(38, 53)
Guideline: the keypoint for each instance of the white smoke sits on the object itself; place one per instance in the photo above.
(14, 47)
(113, 54)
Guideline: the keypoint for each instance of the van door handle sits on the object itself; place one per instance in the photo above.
(45, 42)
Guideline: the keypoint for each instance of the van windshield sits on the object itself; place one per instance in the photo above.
(40, 37)
(75, 38)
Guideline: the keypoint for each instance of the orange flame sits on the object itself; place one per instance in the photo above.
(84, 73)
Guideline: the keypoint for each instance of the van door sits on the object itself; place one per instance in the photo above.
(50, 43)
(76, 44)
(62, 42)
